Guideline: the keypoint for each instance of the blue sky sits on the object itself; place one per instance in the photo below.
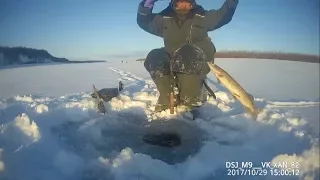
(104, 29)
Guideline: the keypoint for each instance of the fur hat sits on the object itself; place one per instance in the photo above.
(173, 6)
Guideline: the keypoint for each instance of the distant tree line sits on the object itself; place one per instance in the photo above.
(24, 55)
(268, 55)
(265, 55)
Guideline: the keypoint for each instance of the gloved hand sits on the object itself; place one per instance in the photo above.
(232, 3)
(149, 3)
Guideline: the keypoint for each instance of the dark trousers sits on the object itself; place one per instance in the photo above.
(189, 76)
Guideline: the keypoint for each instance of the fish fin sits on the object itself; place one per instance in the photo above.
(218, 81)
(251, 97)
(219, 75)
(235, 96)
(254, 114)
(247, 110)
(259, 110)
(256, 111)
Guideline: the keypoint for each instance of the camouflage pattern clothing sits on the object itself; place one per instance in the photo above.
(187, 47)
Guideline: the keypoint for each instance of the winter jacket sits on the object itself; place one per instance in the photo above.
(192, 28)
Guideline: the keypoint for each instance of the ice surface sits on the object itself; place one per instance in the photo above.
(50, 128)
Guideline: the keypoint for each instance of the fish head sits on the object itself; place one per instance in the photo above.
(215, 69)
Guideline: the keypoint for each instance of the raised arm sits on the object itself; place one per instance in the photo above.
(215, 19)
(148, 21)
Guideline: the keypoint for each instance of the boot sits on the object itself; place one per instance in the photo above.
(164, 88)
(191, 89)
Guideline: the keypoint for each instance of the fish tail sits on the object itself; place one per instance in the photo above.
(254, 114)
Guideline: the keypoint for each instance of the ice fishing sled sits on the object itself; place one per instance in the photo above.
(105, 94)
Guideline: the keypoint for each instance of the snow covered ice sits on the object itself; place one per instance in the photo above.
(50, 129)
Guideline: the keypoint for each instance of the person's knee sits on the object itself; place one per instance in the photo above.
(157, 62)
(154, 55)
(189, 59)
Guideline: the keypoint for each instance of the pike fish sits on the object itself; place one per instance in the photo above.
(236, 90)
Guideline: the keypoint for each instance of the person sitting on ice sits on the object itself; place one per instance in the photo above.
(184, 27)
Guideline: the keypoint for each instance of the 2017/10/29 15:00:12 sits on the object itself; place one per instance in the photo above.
(263, 169)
